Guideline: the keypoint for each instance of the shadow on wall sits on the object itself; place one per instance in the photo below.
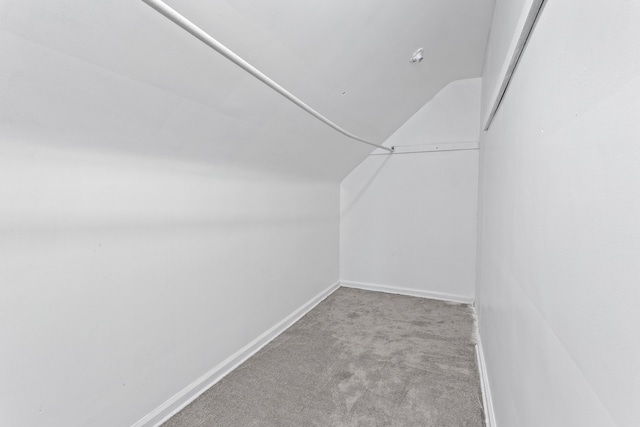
(353, 201)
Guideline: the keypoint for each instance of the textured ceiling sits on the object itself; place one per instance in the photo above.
(115, 75)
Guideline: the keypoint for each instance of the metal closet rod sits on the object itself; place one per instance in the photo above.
(201, 35)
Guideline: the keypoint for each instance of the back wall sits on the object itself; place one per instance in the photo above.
(408, 220)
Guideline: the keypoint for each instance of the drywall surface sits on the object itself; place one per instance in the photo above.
(409, 220)
(560, 219)
(119, 76)
(150, 225)
(126, 278)
(350, 60)
(160, 208)
(450, 116)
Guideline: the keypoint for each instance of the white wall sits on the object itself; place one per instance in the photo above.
(560, 218)
(159, 208)
(147, 230)
(126, 278)
(409, 220)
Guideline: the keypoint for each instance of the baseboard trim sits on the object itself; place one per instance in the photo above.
(181, 399)
(490, 417)
(407, 291)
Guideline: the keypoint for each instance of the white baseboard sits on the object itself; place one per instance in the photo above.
(407, 291)
(490, 417)
(202, 384)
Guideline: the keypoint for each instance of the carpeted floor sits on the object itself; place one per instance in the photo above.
(359, 358)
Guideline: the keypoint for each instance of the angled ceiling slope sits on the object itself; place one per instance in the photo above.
(118, 76)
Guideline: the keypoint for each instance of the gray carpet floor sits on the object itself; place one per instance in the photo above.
(359, 358)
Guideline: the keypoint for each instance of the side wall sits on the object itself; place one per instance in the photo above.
(126, 278)
(409, 220)
(560, 223)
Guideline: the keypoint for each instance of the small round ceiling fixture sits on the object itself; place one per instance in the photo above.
(417, 56)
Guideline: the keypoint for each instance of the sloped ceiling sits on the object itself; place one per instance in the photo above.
(115, 75)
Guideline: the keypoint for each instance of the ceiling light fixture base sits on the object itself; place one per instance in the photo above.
(417, 56)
